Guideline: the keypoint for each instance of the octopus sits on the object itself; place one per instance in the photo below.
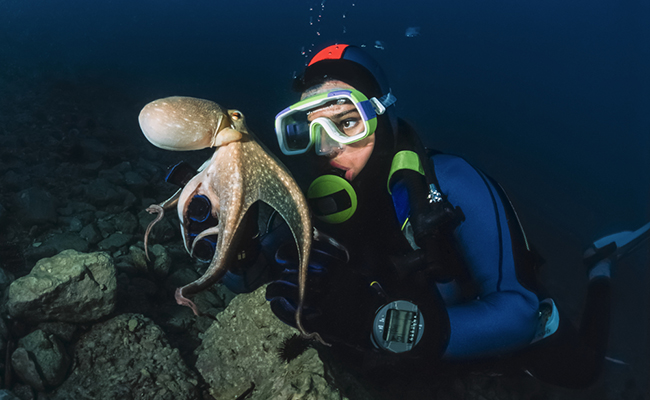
(239, 173)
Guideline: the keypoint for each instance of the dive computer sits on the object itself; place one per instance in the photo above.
(398, 326)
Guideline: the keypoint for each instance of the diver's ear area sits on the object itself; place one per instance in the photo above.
(185, 123)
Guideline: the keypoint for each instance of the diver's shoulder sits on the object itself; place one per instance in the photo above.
(456, 176)
(449, 163)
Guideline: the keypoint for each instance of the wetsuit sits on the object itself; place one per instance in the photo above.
(504, 315)
(501, 315)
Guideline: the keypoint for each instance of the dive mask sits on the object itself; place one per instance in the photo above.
(296, 133)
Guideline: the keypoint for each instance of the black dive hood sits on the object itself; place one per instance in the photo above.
(373, 230)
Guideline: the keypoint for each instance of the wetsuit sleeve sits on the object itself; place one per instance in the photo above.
(504, 315)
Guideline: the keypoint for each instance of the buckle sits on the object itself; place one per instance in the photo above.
(378, 106)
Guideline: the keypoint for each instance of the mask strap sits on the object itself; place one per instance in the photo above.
(383, 103)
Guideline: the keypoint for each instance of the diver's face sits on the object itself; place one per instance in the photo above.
(352, 157)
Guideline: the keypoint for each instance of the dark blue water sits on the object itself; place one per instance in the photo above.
(552, 98)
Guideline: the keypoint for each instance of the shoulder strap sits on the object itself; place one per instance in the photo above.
(412, 155)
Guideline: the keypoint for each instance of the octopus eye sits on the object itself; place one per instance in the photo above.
(236, 115)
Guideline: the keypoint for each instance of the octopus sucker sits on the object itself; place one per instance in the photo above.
(239, 173)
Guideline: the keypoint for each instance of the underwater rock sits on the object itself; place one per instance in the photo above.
(67, 241)
(5, 279)
(144, 286)
(127, 356)
(74, 224)
(162, 261)
(14, 181)
(125, 222)
(180, 277)
(123, 167)
(36, 206)
(91, 149)
(90, 234)
(114, 177)
(24, 392)
(135, 181)
(74, 208)
(7, 395)
(40, 360)
(77, 213)
(239, 356)
(147, 169)
(106, 228)
(115, 241)
(61, 330)
(138, 262)
(4, 331)
(100, 192)
(26, 369)
(4, 335)
(175, 318)
(57, 244)
(162, 232)
(69, 287)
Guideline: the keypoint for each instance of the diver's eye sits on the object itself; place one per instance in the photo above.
(350, 126)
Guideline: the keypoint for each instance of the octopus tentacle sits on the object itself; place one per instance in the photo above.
(303, 331)
(215, 230)
(152, 209)
(184, 301)
(160, 210)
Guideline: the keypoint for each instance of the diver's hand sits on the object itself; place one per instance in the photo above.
(283, 293)
(339, 303)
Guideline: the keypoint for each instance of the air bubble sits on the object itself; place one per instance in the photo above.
(412, 31)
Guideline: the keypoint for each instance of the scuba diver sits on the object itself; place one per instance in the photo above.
(424, 262)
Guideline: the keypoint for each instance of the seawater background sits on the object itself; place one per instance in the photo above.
(551, 98)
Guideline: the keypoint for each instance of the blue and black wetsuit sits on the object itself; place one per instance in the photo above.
(501, 316)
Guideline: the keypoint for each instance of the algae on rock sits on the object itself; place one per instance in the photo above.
(69, 287)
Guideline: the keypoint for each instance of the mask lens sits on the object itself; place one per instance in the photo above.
(325, 145)
(295, 131)
(297, 136)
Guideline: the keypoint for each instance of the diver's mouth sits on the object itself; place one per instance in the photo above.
(348, 172)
